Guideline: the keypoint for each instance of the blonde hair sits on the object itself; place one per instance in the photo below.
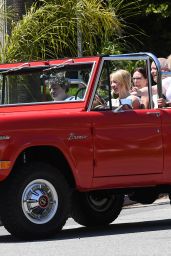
(169, 62)
(123, 77)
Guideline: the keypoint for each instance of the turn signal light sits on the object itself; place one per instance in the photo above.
(4, 164)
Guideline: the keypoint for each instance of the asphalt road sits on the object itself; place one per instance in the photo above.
(139, 230)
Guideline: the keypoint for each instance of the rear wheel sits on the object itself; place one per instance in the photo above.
(96, 208)
(36, 203)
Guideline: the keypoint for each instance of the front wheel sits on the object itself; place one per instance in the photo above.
(36, 203)
(96, 208)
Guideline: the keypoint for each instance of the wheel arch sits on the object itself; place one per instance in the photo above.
(47, 154)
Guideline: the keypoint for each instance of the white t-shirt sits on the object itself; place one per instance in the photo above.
(155, 97)
(166, 88)
(71, 98)
(128, 101)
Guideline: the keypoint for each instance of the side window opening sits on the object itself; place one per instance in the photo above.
(102, 94)
(128, 95)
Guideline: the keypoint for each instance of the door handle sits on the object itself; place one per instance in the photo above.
(154, 113)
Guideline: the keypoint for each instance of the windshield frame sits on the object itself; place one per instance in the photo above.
(27, 68)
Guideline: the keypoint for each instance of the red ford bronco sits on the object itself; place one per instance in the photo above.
(72, 157)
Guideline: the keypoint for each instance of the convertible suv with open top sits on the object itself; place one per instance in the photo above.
(74, 158)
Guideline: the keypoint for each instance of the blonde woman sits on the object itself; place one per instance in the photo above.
(120, 81)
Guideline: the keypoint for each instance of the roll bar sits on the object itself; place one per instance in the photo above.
(149, 57)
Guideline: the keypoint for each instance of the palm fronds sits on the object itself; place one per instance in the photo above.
(50, 31)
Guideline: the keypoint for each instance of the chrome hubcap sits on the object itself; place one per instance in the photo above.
(39, 201)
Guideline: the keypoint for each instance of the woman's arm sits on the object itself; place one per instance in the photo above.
(135, 102)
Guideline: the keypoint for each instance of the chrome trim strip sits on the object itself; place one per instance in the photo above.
(4, 137)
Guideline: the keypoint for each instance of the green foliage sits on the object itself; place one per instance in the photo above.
(162, 9)
(49, 29)
(6, 14)
(154, 20)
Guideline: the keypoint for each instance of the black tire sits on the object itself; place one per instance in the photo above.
(144, 196)
(36, 202)
(96, 208)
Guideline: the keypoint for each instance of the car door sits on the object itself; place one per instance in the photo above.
(128, 143)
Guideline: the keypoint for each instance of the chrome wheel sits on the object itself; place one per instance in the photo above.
(39, 201)
(36, 202)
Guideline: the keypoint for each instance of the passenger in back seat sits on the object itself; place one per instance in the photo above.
(166, 87)
(144, 91)
(140, 81)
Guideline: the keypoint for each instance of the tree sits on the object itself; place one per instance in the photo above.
(19, 9)
(155, 21)
(50, 29)
(19, 6)
(5, 15)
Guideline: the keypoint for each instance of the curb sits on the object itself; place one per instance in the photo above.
(127, 201)
(163, 198)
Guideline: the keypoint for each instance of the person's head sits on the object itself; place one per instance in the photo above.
(120, 81)
(140, 77)
(58, 86)
(169, 62)
(163, 66)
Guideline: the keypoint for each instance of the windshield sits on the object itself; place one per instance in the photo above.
(61, 83)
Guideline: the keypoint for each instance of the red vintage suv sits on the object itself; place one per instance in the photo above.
(72, 158)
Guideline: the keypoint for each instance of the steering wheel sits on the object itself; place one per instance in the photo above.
(80, 93)
(99, 102)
